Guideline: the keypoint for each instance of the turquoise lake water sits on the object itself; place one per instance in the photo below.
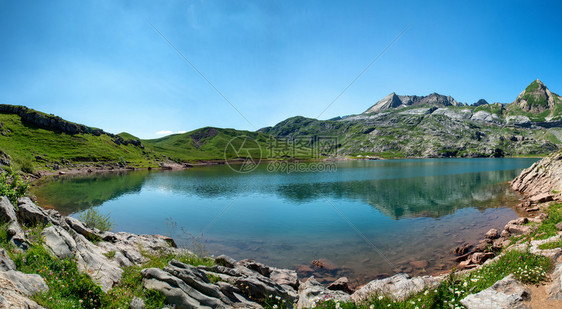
(368, 218)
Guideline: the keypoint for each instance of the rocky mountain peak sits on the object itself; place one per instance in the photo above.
(536, 98)
(393, 101)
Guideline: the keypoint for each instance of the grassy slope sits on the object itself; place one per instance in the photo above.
(211, 144)
(24, 141)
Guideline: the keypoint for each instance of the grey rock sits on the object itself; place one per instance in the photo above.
(7, 210)
(260, 268)
(28, 284)
(453, 114)
(91, 260)
(484, 116)
(14, 230)
(505, 294)
(31, 214)
(5, 262)
(518, 120)
(225, 260)
(259, 288)
(81, 228)
(399, 287)
(137, 303)
(418, 111)
(311, 290)
(11, 297)
(284, 277)
(342, 284)
(59, 242)
(122, 260)
(177, 292)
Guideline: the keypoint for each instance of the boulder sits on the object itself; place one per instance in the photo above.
(257, 287)
(540, 198)
(399, 287)
(81, 228)
(226, 261)
(28, 284)
(507, 293)
(260, 268)
(5, 262)
(481, 257)
(342, 284)
(31, 214)
(178, 293)
(311, 291)
(91, 260)
(14, 230)
(492, 234)
(284, 277)
(12, 297)
(59, 242)
(7, 210)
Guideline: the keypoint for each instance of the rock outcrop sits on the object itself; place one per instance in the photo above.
(507, 293)
(399, 287)
(542, 181)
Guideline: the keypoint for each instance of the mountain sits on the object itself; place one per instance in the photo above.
(439, 126)
(537, 102)
(393, 101)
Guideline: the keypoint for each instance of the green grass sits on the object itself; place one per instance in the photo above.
(211, 144)
(36, 147)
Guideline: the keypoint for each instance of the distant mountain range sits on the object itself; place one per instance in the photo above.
(439, 126)
(397, 126)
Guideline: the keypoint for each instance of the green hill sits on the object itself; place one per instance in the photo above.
(35, 140)
(47, 144)
(211, 144)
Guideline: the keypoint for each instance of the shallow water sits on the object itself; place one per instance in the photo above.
(368, 218)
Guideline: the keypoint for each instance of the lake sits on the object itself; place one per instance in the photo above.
(365, 220)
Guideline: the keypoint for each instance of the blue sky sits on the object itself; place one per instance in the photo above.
(102, 64)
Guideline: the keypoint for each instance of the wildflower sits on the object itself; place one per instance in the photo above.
(274, 306)
(278, 297)
(426, 292)
(372, 306)
(381, 297)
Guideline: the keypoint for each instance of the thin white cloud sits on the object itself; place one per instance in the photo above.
(164, 132)
(168, 132)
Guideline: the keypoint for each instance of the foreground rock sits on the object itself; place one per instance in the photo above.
(311, 291)
(507, 293)
(399, 287)
(16, 287)
(542, 181)
(241, 284)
